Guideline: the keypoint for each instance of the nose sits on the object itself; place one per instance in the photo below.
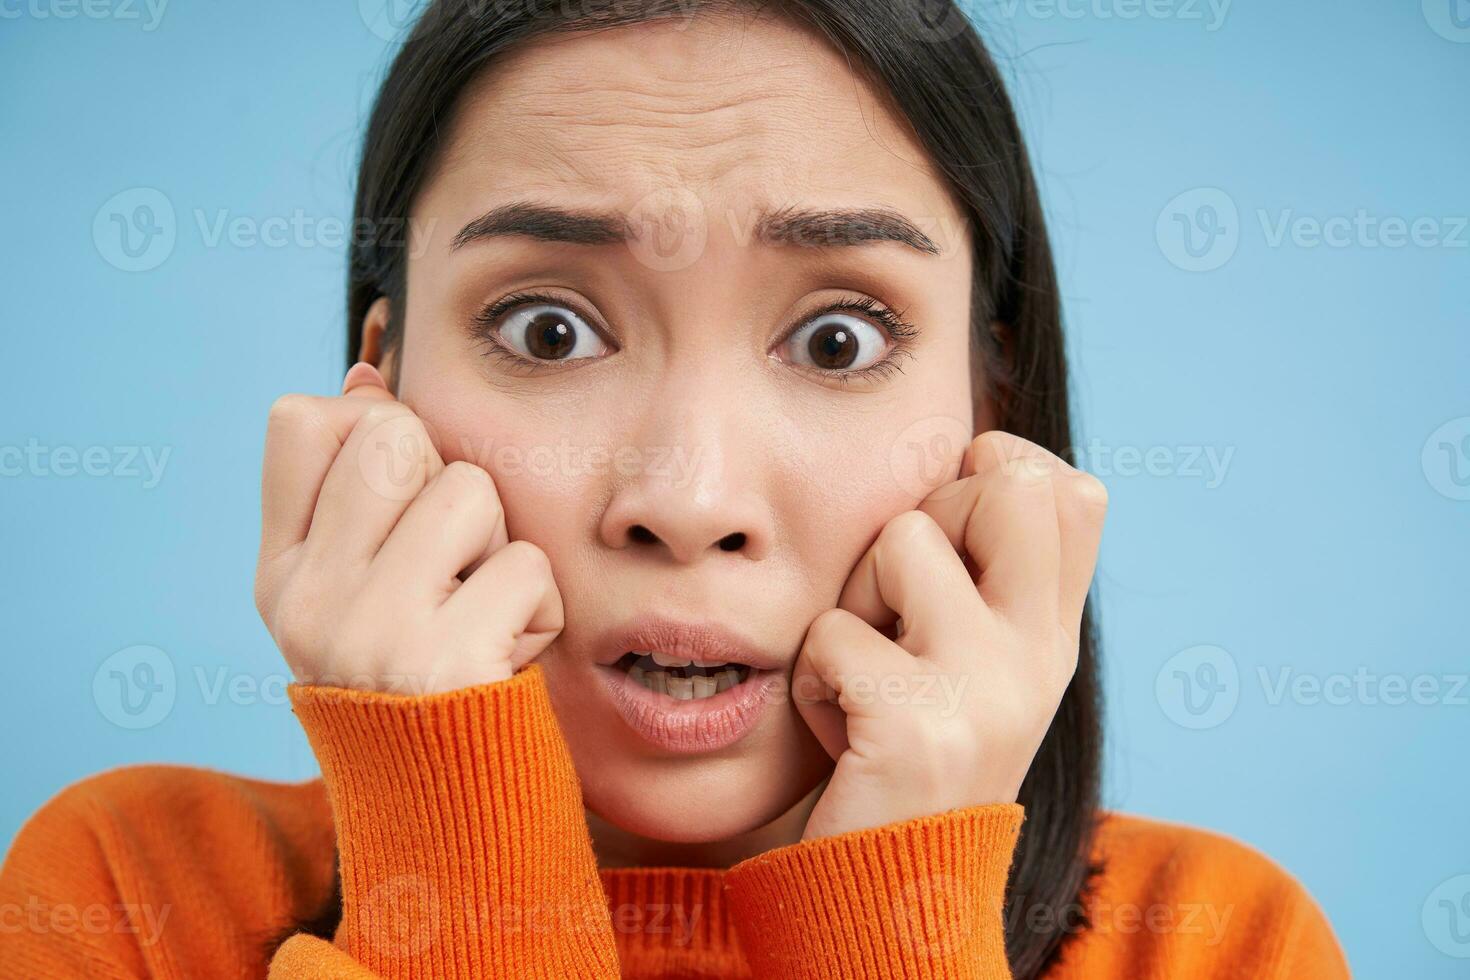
(694, 496)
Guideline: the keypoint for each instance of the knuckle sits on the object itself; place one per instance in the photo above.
(527, 558)
(379, 413)
(467, 488)
(906, 526)
(263, 594)
(292, 411)
(827, 628)
(993, 439)
(292, 617)
(1090, 493)
(996, 446)
(468, 478)
(1015, 461)
(1033, 471)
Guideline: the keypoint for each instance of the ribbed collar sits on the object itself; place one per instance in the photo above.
(669, 920)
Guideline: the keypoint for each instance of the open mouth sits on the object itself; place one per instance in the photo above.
(687, 687)
(682, 678)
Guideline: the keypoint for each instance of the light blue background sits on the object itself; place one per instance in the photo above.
(1330, 546)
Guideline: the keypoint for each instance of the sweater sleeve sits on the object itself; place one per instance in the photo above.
(462, 842)
(917, 898)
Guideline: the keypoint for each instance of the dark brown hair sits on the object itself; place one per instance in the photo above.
(928, 56)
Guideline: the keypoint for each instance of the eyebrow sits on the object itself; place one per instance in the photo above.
(806, 228)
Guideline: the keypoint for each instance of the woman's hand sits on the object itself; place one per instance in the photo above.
(953, 640)
(381, 567)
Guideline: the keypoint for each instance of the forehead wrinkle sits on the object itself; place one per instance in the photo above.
(638, 127)
(601, 147)
(664, 76)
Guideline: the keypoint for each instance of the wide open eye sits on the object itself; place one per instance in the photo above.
(550, 332)
(836, 342)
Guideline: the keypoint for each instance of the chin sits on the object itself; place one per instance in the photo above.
(691, 800)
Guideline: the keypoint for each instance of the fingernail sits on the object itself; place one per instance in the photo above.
(361, 373)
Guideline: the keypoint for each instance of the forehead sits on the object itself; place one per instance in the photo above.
(746, 112)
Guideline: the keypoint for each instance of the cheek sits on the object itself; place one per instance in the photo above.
(849, 484)
(546, 477)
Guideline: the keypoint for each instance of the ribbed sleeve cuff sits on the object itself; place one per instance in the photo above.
(917, 898)
(463, 845)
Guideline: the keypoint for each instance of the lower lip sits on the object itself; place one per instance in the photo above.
(699, 725)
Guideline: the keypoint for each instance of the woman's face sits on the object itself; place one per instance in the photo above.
(685, 429)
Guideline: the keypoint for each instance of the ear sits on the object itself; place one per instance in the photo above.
(374, 327)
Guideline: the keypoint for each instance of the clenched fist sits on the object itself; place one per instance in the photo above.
(382, 568)
(953, 640)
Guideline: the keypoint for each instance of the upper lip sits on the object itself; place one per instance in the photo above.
(697, 640)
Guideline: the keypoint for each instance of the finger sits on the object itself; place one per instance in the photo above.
(363, 380)
(456, 521)
(912, 572)
(304, 434)
(385, 463)
(840, 657)
(510, 607)
(1005, 517)
(1082, 505)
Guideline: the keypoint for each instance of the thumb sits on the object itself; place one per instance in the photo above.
(363, 380)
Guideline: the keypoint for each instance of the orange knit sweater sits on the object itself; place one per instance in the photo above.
(464, 853)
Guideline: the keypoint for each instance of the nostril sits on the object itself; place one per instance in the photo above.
(642, 535)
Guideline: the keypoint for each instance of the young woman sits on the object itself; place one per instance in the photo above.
(686, 582)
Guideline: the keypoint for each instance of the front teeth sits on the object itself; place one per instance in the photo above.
(654, 680)
(665, 659)
(684, 688)
(674, 660)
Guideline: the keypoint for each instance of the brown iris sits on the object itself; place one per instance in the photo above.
(550, 337)
(832, 347)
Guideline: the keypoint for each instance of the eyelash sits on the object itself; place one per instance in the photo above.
(487, 321)
(900, 331)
